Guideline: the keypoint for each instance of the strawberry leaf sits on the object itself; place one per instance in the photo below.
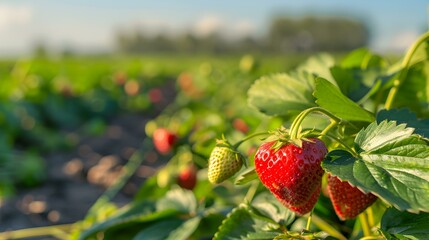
(282, 94)
(393, 163)
(159, 230)
(266, 205)
(330, 97)
(184, 231)
(413, 92)
(404, 225)
(319, 66)
(246, 176)
(362, 58)
(421, 126)
(240, 224)
(176, 202)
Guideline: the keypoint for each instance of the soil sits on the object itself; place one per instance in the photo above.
(75, 179)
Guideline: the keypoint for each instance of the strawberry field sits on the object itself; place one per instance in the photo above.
(247, 147)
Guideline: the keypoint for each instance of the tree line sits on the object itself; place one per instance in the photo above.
(284, 35)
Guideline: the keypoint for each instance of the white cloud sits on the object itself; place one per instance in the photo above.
(208, 25)
(13, 15)
(243, 28)
(403, 40)
(230, 28)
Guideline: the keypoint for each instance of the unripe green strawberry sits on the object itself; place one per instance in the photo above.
(224, 162)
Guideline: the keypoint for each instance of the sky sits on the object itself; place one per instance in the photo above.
(90, 25)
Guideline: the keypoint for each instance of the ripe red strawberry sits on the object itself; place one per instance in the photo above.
(155, 95)
(224, 162)
(293, 174)
(164, 140)
(306, 208)
(348, 201)
(188, 177)
(240, 125)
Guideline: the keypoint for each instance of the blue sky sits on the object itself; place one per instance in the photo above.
(91, 25)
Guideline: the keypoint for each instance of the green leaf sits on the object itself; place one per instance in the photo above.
(362, 58)
(246, 176)
(421, 54)
(239, 224)
(393, 163)
(376, 135)
(185, 230)
(137, 213)
(319, 66)
(266, 205)
(357, 84)
(159, 230)
(281, 94)
(406, 225)
(421, 126)
(262, 236)
(413, 92)
(150, 190)
(180, 199)
(329, 97)
(176, 201)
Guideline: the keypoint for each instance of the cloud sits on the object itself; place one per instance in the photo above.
(243, 28)
(207, 25)
(402, 40)
(229, 28)
(13, 15)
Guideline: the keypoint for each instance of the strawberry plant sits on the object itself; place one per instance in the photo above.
(372, 117)
(333, 149)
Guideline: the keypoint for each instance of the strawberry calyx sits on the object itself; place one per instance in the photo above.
(296, 129)
(282, 137)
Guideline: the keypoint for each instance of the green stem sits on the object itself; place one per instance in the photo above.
(372, 238)
(365, 61)
(328, 128)
(294, 130)
(55, 231)
(252, 191)
(340, 141)
(363, 218)
(309, 221)
(405, 64)
(235, 146)
(324, 226)
(370, 213)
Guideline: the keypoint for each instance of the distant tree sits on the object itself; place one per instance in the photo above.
(307, 34)
(316, 34)
(40, 50)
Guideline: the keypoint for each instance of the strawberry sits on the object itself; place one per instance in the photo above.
(348, 201)
(306, 208)
(164, 140)
(240, 125)
(292, 173)
(224, 162)
(187, 177)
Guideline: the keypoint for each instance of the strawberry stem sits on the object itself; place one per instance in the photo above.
(59, 231)
(363, 218)
(405, 65)
(235, 146)
(251, 191)
(324, 226)
(309, 221)
(296, 124)
(340, 141)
